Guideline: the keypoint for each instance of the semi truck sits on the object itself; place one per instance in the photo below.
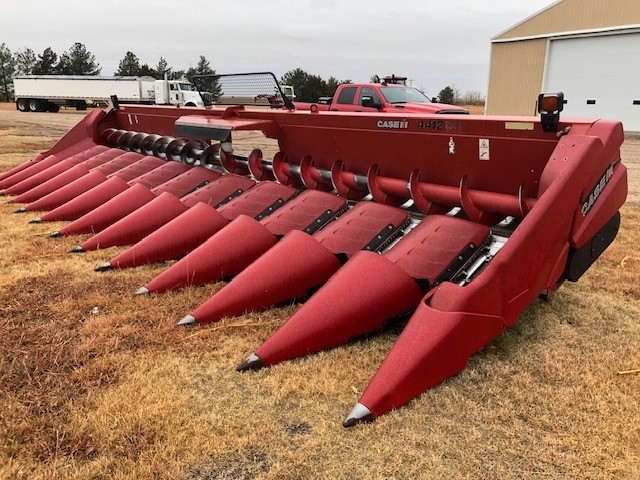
(47, 93)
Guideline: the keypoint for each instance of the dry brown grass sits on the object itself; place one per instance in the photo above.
(123, 394)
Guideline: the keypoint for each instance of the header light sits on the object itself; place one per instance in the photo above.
(549, 107)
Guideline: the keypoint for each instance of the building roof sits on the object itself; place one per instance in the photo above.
(575, 16)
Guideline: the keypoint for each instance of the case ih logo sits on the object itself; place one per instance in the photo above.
(597, 190)
(393, 124)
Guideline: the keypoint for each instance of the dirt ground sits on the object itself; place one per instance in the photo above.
(96, 383)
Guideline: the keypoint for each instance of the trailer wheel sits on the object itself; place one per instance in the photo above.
(190, 104)
(81, 105)
(22, 105)
(53, 108)
(35, 106)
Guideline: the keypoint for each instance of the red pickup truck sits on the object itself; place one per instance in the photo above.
(376, 97)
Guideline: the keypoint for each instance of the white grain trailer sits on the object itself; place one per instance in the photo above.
(41, 93)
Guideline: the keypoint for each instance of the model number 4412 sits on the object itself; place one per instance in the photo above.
(431, 124)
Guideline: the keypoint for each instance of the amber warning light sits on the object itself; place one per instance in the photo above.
(549, 107)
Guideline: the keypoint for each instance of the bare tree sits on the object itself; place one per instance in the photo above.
(473, 97)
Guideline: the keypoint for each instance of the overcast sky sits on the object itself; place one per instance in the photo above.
(435, 43)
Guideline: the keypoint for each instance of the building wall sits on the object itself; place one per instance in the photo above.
(516, 77)
(517, 67)
(572, 15)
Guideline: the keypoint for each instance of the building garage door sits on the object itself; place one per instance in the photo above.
(599, 75)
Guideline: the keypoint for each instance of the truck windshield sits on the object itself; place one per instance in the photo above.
(403, 95)
(187, 87)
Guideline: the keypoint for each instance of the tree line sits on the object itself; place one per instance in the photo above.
(309, 87)
(77, 60)
(452, 95)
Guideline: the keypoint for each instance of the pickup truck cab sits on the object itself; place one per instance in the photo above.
(378, 97)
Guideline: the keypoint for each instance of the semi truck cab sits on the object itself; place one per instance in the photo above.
(175, 92)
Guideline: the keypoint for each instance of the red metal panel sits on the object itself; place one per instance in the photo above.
(187, 182)
(431, 246)
(303, 211)
(256, 200)
(161, 174)
(366, 220)
(219, 190)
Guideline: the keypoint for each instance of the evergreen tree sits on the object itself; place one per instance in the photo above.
(309, 87)
(146, 70)
(332, 85)
(176, 74)
(78, 61)
(210, 87)
(161, 69)
(25, 61)
(129, 65)
(446, 95)
(46, 63)
(203, 68)
(7, 66)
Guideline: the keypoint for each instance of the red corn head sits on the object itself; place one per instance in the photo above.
(76, 207)
(117, 208)
(358, 299)
(380, 287)
(138, 224)
(433, 346)
(109, 212)
(295, 265)
(41, 163)
(226, 253)
(34, 180)
(300, 262)
(232, 249)
(153, 215)
(63, 194)
(53, 184)
(175, 239)
(190, 229)
(119, 171)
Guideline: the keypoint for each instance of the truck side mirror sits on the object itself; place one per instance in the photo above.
(368, 102)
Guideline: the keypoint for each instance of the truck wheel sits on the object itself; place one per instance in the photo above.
(81, 105)
(190, 104)
(35, 106)
(22, 104)
(53, 108)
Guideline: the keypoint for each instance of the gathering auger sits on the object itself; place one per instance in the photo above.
(458, 222)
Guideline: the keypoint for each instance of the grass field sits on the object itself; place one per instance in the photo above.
(96, 383)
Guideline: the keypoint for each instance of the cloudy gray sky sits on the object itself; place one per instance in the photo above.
(435, 43)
